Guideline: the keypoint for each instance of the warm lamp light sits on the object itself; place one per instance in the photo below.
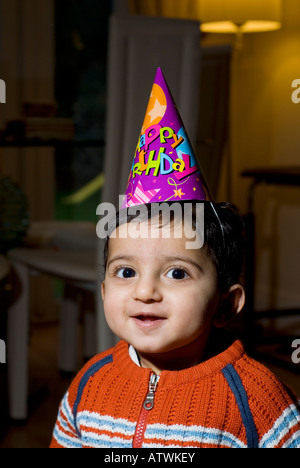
(217, 16)
(239, 16)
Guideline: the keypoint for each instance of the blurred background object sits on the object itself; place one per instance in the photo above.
(14, 215)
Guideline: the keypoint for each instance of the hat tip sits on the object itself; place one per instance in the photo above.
(159, 71)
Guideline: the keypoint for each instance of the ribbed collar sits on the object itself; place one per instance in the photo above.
(123, 361)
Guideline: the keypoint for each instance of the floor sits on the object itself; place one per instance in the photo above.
(47, 386)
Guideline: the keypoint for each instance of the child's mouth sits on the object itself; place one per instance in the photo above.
(148, 320)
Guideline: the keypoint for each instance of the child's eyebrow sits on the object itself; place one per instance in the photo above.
(123, 258)
(178, 258)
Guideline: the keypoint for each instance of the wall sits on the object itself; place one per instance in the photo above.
(265, 132)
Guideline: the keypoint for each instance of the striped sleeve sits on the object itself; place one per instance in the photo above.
(274, 406)
(65, 434)
(285, 432)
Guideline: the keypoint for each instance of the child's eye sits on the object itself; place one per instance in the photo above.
(177, 274)
(125, 272)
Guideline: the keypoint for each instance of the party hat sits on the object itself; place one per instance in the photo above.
(164, 167)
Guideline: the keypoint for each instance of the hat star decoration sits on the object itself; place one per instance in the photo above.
(164, 167)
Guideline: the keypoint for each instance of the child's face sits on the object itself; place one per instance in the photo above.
(159, 296)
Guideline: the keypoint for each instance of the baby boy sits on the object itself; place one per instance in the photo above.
(176, 378)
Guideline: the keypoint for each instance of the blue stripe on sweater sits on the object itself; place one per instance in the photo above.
(84, 380)
(237, 388)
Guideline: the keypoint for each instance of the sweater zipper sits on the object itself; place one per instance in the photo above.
(147, 406)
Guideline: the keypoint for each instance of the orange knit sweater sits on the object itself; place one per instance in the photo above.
(229, 400)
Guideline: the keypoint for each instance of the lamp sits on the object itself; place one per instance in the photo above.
(239, 16)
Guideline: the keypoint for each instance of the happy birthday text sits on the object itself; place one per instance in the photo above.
(157, 160)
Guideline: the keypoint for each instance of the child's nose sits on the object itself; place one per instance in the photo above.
(147, 290)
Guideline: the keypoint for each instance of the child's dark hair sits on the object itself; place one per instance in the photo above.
(226, 242)
(224, 237)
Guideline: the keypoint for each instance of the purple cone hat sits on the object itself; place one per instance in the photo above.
(164, 166)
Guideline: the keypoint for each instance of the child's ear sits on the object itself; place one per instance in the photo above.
(232, 304)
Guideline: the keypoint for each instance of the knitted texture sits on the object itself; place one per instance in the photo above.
(195, 407)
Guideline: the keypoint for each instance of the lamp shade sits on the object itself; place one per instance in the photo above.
(231, 16)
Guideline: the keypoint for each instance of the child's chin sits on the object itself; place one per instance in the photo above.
(150, 349)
